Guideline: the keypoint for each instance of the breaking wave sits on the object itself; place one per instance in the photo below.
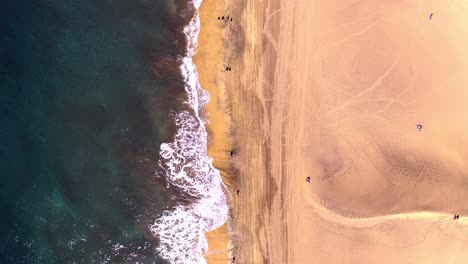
(188, 168)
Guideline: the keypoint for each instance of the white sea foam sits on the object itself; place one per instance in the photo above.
(188, 167)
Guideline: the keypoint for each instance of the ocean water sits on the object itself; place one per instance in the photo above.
(102, 144)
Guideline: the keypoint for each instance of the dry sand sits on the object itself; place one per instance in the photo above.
(333, 90)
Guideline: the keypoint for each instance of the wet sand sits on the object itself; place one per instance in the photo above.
(210, 67)
(334, 91)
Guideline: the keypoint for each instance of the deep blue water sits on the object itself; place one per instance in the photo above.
(82, 117)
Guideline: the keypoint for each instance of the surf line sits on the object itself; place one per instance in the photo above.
(188, 169)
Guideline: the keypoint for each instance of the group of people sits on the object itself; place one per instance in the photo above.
(227, 18)
(455, 217)
(229, 69)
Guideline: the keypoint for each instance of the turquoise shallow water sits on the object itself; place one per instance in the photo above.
(82, 118)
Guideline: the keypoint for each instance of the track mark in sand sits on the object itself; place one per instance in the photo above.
(392, 101)
(277, 11)
(368, 222)
(266, 24)
(397, 98)
(434, 229)
(377, 82)
(354, 21)
(267, 136)
(352, 35)
(462, 4)
(275, 44)
(270, 39)
(410, 187)
(431, 230)
(219, 251)
(370, 100)
(266, 32)
(439, 224)
(267, 83)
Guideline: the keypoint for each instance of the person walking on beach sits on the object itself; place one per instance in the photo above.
(308, 179)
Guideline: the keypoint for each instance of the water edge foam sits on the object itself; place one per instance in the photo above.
(188, 167)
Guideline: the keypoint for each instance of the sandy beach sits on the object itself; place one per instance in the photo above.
(210, 67)
(334, 91)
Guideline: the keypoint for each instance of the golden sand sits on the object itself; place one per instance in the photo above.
(222, 44)
(343, 85)
(333, 90)
(209, 65)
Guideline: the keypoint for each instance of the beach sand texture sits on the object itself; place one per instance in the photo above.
(334, 90)
(210, 66)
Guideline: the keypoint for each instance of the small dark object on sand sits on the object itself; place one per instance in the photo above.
(222, 17)
(455, 217)
(308, 179)
(430, 16)
(231, 19)
(233, 259)
(238, 191)
(232, 153)
(419, 127)
(219, 18)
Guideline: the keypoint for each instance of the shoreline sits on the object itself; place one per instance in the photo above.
(234, 113)
(187, 165)
(235, 140)
(208, 60)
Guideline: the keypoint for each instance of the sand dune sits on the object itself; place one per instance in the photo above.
(340, 88)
